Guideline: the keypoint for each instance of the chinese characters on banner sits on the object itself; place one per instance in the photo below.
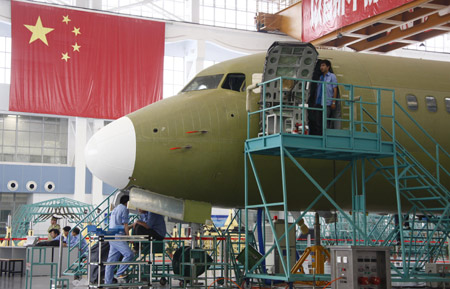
(321, 17)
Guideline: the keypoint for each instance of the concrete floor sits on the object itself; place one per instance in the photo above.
(18, 282)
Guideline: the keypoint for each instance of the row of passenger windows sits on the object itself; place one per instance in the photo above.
(432, 106)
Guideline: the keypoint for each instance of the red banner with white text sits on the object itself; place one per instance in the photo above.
(321, 17)
(79, 63)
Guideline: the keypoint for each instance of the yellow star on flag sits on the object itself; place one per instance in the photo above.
(76, 31)
(76, 47)
(39, 31)
(66, 19)
(65, 56)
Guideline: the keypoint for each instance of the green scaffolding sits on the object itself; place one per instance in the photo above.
(369, 144)
(65, 208)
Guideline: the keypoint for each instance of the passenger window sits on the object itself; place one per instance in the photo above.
(431, 103)
(411, 101)
(234, 81)
(447, 104)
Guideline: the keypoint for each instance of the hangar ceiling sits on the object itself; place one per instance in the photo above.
(405, 25)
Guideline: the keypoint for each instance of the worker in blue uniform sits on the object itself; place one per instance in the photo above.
(330, 95)
(149, 224)
(75, 240)
(117, 249)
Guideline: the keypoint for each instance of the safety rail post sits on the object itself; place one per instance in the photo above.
(264, 110)
(303, 107)
(281, 105)
(119, 238)
(397, 191)
(379, 119)
(247, 155)
(352, 113)
(324, 115)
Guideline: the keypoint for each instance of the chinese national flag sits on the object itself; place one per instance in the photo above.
(78, 63)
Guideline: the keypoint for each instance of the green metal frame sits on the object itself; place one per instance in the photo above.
(43, 211)
(370, 140)
(96, 216)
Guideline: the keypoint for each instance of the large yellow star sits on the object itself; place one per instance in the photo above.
(76, 47)
(76, 31)
(66, 19)
(39, 31)
(65, 56)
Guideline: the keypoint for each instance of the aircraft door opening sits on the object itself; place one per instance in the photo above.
(293, 60)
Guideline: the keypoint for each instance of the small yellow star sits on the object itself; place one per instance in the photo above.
(39, 31)
(76, 47)
(65, 56)
(66, 19)
(76, 31)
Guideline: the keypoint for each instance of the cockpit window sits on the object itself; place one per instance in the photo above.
(204, 82)
(234, 81)
(431, 103)
(411, 101)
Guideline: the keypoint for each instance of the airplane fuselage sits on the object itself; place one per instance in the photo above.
(191, 146)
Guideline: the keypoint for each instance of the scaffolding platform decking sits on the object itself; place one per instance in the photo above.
(338, 145)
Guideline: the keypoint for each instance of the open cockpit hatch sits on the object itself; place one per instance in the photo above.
(291, 60)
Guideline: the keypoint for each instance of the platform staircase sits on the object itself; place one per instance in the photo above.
(423, 240)
(370, 136)
(99, 217)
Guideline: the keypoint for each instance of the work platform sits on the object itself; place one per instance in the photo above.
(369, 140)
(335, 145)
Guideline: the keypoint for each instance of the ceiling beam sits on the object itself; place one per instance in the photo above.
(390, 47)
(397, 33)
(443, 27)
(369, 21)
(425, 35)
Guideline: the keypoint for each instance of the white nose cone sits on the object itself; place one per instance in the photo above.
(111, 152)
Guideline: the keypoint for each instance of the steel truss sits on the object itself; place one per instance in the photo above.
(413, 183)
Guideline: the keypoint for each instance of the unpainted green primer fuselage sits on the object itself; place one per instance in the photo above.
(212, 169)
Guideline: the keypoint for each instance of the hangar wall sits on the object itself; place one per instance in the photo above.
(195, 44)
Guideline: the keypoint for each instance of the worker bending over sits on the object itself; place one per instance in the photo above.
(149, 224)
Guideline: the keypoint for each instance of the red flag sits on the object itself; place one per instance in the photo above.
(79, 63)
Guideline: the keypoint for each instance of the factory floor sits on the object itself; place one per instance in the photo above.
(18, 282)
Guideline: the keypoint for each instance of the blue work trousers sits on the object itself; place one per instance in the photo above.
(117, 250)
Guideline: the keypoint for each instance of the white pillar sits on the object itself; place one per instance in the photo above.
(195, 10)
(201, 52)
(80, 163)
(97, 184)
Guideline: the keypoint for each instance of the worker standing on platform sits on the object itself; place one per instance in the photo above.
(330, 94)
(53, 225)
(119, 217)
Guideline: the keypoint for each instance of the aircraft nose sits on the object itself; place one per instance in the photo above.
(111, 152)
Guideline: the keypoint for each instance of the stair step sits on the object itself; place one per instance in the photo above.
(432, 209)
(411, 177)
(437, 220)
(417, 188)
(392, 167)
(425, 199)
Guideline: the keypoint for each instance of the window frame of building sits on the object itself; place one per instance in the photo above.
(33, 139)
